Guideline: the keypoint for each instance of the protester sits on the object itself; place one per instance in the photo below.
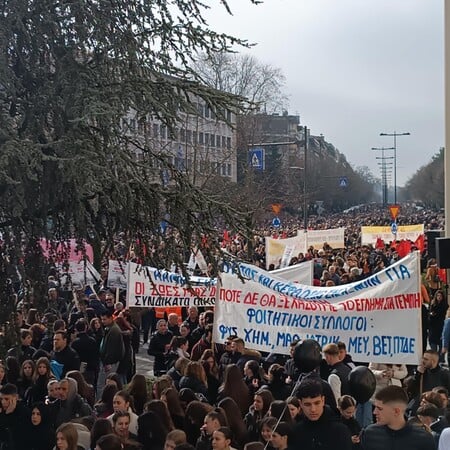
(391, 427)
(320, 427)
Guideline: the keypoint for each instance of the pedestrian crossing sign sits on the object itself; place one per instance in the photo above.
(256, 158)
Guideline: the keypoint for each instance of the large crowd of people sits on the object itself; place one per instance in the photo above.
(71, 383)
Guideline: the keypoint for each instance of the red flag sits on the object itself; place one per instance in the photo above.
(393, 245)
(226, 237)
(443, 275)
(380, 243)
(404, 248)
(420, 243)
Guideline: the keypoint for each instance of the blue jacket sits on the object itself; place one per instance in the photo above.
(446, 334)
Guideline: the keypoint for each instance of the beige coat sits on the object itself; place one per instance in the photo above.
(400, 372)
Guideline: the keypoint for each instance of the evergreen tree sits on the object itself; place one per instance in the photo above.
(69, 73)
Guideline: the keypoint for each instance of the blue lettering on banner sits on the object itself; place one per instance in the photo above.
(285, 339)
(393, 345)
(398, 273)
(323, 339)
(226, 331)
(258, 337)
(358, 344)
(168, 277)
(293, 320)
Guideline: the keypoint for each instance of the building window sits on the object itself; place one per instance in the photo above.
(207, 111)
(229, 169)
(207, 139)
(224, 141)
(188, 136)
(155, 130)
(200, 138)
(228, 142)
(174, 135)
(218, 141)
(212, 140)
(162, 130)
(194, 137)
(142, 126)
(200, 109)
(182, 135)
(228, 115)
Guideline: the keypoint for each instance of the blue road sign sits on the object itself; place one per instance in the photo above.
(256, 158)
(343, 182)
(394, 228)
(276, 222)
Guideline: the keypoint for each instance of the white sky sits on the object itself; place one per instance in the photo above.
(354, 68)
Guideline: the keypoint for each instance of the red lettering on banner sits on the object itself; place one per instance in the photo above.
(139, 288)
(230, 295)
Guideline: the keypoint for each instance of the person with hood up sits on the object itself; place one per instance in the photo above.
(42, 433)
(70, 405)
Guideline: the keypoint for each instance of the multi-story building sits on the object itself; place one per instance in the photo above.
(203, 145)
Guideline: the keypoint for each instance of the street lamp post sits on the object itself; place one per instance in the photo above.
(385, 171)
(394, 135)
(305, 202)
(384, 179)
(305, 185)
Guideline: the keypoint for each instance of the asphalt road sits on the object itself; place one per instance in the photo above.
(144, 363)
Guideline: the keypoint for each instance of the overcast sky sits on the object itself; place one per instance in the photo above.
(354, 68)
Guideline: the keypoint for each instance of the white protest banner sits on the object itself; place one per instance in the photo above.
(147, 286)
(369, 235)
(81, 274)
(287, 256)
(302, 273)
(378, 318)
(275, 248)
(334, 237)
(117, 274)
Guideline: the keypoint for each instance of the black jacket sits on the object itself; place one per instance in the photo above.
(157, 348)
(327, 433)
(330, 400)
(68, 358)
(87, 349)
(67, 410)
(112, 348)
(410, 437)
(15, 429)
(195, 384)
(22, 353)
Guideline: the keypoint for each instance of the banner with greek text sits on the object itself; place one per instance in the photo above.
(275, 249)
(377, 318)
(80, 273)
(117, 274)
(369, 235)
(147, 286)
(334, 237)
(150, 287)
